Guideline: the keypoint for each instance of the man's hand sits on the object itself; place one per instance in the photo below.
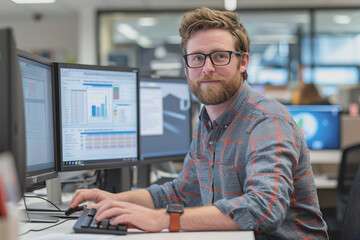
(94, 195)
(134, 216)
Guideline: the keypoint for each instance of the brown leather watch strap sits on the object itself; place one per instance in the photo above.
(174, 222)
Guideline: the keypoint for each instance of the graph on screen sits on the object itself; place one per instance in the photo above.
(99, 115)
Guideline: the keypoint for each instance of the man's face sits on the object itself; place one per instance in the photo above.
(211, 84)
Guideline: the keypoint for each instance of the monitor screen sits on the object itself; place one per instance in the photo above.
(165, 116)
(98, 116)
(37, 80)
(331, 75)
(272, 76)
(320, 124)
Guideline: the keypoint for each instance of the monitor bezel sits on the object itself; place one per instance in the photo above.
(106, 163)
(48, 173)
(12, 132)
(174, 157)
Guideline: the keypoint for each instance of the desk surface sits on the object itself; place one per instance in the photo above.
(64, 231)
(325, 182)
(325, 156)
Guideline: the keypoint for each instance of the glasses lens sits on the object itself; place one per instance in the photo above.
(220, 58)
(195, 60)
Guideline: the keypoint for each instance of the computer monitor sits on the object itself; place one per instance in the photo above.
(165, 114)
(98, 113)
(37, 76)
(12, 130)
(343, 75)
(320, 124)
(272, 76)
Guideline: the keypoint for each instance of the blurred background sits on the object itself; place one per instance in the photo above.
(313, 41)
(297, 46)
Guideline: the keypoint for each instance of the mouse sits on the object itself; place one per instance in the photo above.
(75, 209)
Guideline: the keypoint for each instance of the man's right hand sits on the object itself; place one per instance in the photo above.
(93, 195)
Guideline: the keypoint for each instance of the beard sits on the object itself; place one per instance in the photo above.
(213, 94)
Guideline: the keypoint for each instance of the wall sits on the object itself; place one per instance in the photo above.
(60, 35)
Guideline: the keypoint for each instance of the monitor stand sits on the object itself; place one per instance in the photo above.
(26, 216)
(117, 180)
(53, 191)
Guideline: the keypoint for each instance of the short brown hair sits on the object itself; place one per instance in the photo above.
(204, 18)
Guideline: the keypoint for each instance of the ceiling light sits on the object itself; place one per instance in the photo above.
(144, 42)
(32, 1)
(128, 31)
(147, 22)
(230, 5)
(342, 19)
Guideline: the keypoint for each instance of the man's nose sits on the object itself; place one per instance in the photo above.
(208, 66)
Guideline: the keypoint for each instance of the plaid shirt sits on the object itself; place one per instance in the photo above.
(253, 164)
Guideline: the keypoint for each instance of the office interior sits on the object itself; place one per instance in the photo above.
(291, 43)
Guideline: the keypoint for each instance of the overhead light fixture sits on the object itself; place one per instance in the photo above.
(128, 31)
(32, 1)
(230, 5)
(342, 19)
(144, 42)
(147, 22)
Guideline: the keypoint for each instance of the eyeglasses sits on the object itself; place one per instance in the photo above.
(218, 58)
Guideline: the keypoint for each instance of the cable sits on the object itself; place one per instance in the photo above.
(41, 229)
(59, 209)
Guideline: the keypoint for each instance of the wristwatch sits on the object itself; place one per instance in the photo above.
(175, 211)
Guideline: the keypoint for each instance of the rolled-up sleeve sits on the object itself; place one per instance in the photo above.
(183, 190)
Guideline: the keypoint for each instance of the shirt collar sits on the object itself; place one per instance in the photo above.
(227, 117)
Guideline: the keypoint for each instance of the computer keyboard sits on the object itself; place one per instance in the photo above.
(87, 224)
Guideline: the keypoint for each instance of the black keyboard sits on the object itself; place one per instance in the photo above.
(87, 224)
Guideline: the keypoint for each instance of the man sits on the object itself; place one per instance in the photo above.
(248, 167)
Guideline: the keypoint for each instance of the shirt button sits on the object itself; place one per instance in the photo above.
(211, 142)
(226, 126)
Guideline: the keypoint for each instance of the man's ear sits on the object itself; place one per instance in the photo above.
(186, 69)
(244, 62)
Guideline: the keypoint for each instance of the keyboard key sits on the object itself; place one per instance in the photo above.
(94, 223)
(86, 221)
(121, 227)
(92, 212)
(104, 223)
(112, 227)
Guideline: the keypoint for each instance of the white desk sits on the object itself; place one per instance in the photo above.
(67, 233)
(325, 156)
(324, 182)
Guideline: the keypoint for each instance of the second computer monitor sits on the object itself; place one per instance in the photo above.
(165, 118)
(98, 116)
(320, 124)
(37, 76)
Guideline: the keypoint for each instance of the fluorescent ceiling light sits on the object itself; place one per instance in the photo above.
(32, 1)
(144, 42)
(147, 22)
(128, 31)
(342, 19)
(230, 5)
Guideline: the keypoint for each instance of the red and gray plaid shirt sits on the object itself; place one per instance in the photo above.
(253, 164)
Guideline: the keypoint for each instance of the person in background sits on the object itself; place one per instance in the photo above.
(248, 167)
(307, 94)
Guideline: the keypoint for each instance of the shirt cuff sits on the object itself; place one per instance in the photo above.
(241, 216)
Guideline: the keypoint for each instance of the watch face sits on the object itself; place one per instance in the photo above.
(174, 208)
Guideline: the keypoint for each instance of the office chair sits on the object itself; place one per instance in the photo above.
(350, 162)
(350, 229)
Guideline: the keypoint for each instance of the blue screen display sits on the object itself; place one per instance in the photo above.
(319, 124)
